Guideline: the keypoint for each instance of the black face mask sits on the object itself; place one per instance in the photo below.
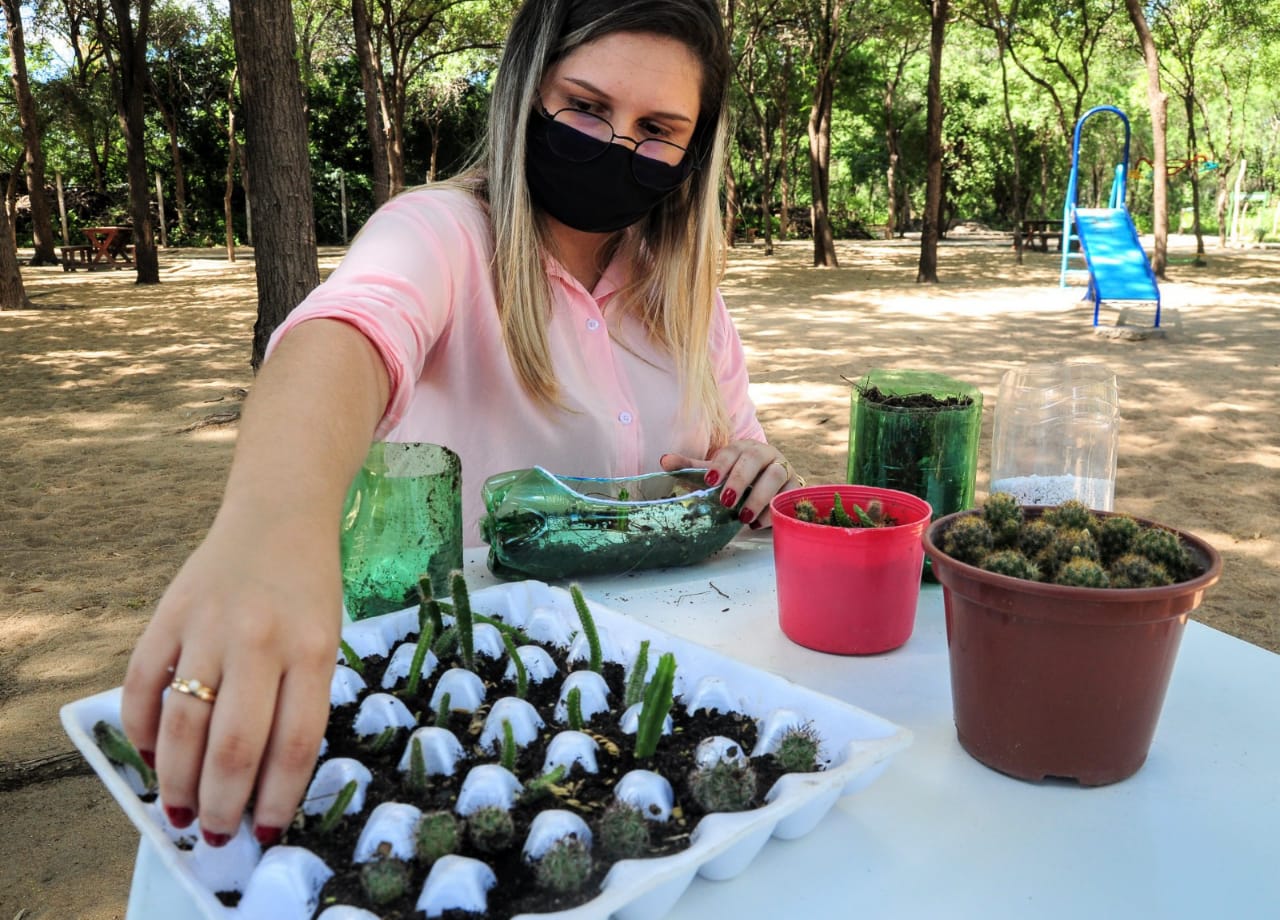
(599, 195)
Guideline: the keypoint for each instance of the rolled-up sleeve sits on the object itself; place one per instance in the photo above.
(396, 285)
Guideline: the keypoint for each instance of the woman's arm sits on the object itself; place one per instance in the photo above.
(255, 612)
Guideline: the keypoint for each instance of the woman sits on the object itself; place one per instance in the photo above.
(555, 305)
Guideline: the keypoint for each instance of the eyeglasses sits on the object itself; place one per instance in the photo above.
(581, 137)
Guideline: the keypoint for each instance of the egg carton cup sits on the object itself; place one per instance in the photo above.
(856, 747)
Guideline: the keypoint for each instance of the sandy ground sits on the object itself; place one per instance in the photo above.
(104, 492)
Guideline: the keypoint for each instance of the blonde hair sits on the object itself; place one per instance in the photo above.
(675, 255)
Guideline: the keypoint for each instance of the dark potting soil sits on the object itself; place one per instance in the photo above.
(874, 394)
(583, 793)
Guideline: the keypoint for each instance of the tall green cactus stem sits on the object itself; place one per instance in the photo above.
(840, 517)
(329, 820)
(383, 740)
(657, 703)
(417, 767)
(573, 702)
(509, 749)
(119, 750)
(636, 680)
(353, 660)
(444, 711)
(522, 673)
(429, 609)
(438, 834)
(588, 628)
(419, 656)
(462, 618)
(446, 642)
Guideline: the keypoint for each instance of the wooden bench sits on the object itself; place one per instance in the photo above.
(1037, 232)
(74, 257)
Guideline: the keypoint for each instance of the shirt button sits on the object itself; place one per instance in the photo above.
(593, 324)
(625, 418)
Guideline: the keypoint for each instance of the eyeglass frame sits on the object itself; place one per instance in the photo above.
(689, 159)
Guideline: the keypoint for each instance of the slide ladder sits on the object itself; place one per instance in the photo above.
(1117, 265)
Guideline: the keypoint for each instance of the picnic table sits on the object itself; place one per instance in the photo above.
(1190, 835)
(1037, 231)
(108, 248)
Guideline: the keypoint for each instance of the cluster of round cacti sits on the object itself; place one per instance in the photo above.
(1068, 545)
(725, 786)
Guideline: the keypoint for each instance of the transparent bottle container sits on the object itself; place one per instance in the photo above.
(1056, 435)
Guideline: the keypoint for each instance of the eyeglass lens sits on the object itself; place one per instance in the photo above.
(656, 163)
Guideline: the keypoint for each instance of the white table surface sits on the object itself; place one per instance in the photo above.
(1195, 833)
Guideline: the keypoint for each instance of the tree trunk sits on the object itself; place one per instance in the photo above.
(824, 247)
(1158, 102)
(275, 130)
(131, 89)
(784, 149)
(928, 270)
(13, 296)
(1195, 174)
(372, 105)
(233, 154)
(175, 154)
(41, 222)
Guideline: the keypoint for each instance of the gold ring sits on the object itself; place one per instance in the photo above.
(194, 688)
(791, 474)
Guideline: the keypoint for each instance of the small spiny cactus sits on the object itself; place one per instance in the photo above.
(1003, 515)
(724, 786)
(1134, 571)
(438, 835)
(1164, 549)
(1066, 545)
(1072, 514)
(491, 829)
(1012, 563)
(1115, 537)
(1082, 573)
(384, 880)
(1035, 536)
(565, 867)
(806, 511)
(624, 832)
(798, 750)
(969, 539)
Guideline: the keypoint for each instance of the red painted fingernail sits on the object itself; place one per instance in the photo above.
(215, 839)
(148, 757)
(728, 498)
(747, 516)
(711, 478)
(755, 525)
(179, 817)
(267, 836)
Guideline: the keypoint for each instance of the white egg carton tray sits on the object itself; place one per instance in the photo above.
(856, 746)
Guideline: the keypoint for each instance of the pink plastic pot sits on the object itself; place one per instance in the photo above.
(848, 590)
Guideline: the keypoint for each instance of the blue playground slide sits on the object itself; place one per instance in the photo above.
(1117, 264)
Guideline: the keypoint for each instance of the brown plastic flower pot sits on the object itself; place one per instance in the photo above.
(1056, 681)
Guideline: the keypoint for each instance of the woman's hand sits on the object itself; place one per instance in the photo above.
(246, 636)
(256, 617)
(744, 465)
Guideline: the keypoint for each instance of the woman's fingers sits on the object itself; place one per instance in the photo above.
(753, 472)
(180, 744)
(150, 670)
(302, 711)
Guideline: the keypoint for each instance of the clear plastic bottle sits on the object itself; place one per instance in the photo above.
(1056, 435)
